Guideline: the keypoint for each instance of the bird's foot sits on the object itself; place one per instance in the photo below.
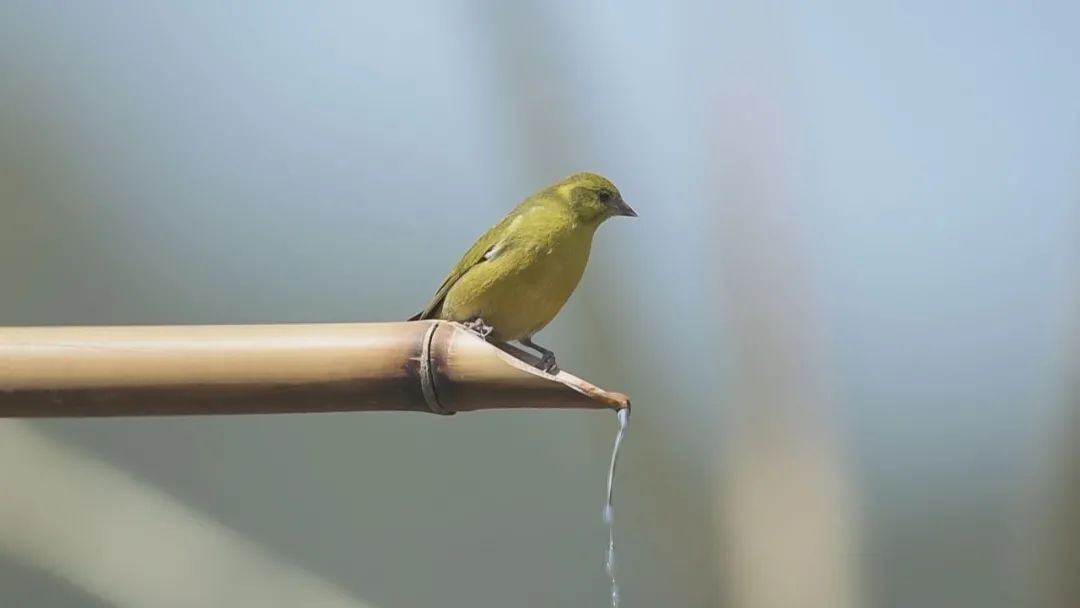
(547, 363)
(478, 327)
(547, 358)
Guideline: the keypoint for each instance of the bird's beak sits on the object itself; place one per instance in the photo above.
(621, 208)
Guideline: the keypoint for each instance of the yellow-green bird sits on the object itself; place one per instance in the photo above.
(517, 276)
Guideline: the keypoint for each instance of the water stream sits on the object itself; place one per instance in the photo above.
(609, 506)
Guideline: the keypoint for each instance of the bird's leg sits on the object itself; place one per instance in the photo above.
(480, 328)
(547, 360)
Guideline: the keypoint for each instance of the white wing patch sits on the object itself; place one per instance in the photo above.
(499, 247)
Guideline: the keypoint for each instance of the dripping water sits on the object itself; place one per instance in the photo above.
(609, 506)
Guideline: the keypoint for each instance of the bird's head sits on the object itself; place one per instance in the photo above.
(592, 197)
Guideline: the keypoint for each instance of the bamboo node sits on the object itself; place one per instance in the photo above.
(427, 374)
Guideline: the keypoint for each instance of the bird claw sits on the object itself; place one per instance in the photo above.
(478, 327)
(547, 364)
(547, 358)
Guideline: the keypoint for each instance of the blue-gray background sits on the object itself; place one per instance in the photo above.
(859, 218)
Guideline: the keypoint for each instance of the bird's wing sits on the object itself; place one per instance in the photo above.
(494, 241)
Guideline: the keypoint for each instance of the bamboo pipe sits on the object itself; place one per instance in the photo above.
(422, 366)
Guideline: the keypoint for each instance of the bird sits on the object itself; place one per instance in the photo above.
(518, 275)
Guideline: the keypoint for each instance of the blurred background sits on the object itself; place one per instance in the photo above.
(846, 313)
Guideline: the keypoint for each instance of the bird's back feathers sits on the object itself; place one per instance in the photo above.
(475, 255)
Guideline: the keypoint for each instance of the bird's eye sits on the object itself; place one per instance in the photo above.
(604, 195)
